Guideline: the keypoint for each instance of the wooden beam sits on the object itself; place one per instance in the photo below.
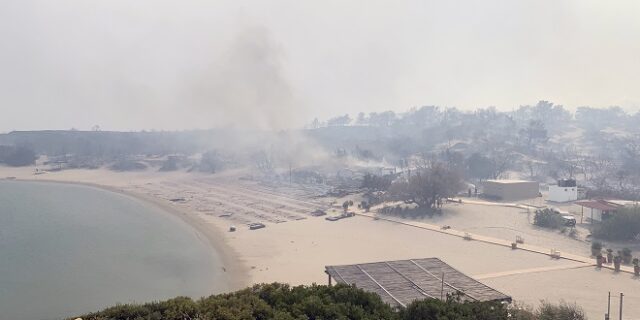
(442, 280)
(381, 286)
(338, 275)
(422, 291)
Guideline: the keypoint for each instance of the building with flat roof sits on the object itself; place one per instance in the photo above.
(511, 189)
(564, 191)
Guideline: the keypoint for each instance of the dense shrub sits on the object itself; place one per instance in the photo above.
(283, 302)
(377, 183)
(266, 301)
(548, 218)
(17, 156)
(128, 165)
(596, 248)
(211, 162)
(435, 309)
(548, 311)
(409, 211)
(171, 164)
(622, 225)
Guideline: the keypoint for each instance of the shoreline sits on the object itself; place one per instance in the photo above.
(231, 264)
(297, 251)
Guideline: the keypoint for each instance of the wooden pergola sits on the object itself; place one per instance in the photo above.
(403, 281)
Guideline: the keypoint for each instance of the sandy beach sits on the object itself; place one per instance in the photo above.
(295, 246)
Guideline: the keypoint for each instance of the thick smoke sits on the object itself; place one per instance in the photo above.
(247, 87)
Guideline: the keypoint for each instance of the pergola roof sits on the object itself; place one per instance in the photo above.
(402, 281)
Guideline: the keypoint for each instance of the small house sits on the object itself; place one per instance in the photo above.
(597, 210)
(565, 191)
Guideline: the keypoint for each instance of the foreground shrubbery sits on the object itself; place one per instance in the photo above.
(269, 301)
(623, 225)
(282, 302)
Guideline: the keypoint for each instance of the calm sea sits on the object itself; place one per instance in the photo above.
(68, 249)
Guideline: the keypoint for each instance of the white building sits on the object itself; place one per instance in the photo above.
(564, 191)
(562, 194)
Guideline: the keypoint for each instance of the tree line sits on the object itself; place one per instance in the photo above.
(17, 156)
(599, 147)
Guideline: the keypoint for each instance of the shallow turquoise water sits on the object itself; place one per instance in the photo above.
(68, 249)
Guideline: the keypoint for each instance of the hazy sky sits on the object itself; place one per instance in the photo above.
(142, 64)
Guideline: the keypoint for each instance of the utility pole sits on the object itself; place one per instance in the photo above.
(608, 314)
(442, 288)
(621, 295)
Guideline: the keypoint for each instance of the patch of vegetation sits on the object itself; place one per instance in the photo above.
(573, 233)
(210, 162)
(623, 225)
(17, 156)
(265, 301)
(549, 311)
(373, 182)
(626, 255)
(547, 218)
(596, 248)
(171, 164)
(366, 206)
(432, 309)
(412, 212)
(283, 302)
(346, 205)
(428, 187)
(128, 165)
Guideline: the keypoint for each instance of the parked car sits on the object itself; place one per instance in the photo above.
(569, 220)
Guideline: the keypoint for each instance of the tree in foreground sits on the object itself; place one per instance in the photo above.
(265, 301)
(283, 302)
(432, 309)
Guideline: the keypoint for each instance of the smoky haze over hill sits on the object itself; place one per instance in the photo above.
(272, 65)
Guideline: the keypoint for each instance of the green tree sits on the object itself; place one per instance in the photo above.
(428, 187)
(283, 302)
(622, 225)
(432, 309)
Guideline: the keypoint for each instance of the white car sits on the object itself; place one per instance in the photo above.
(567, 218)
